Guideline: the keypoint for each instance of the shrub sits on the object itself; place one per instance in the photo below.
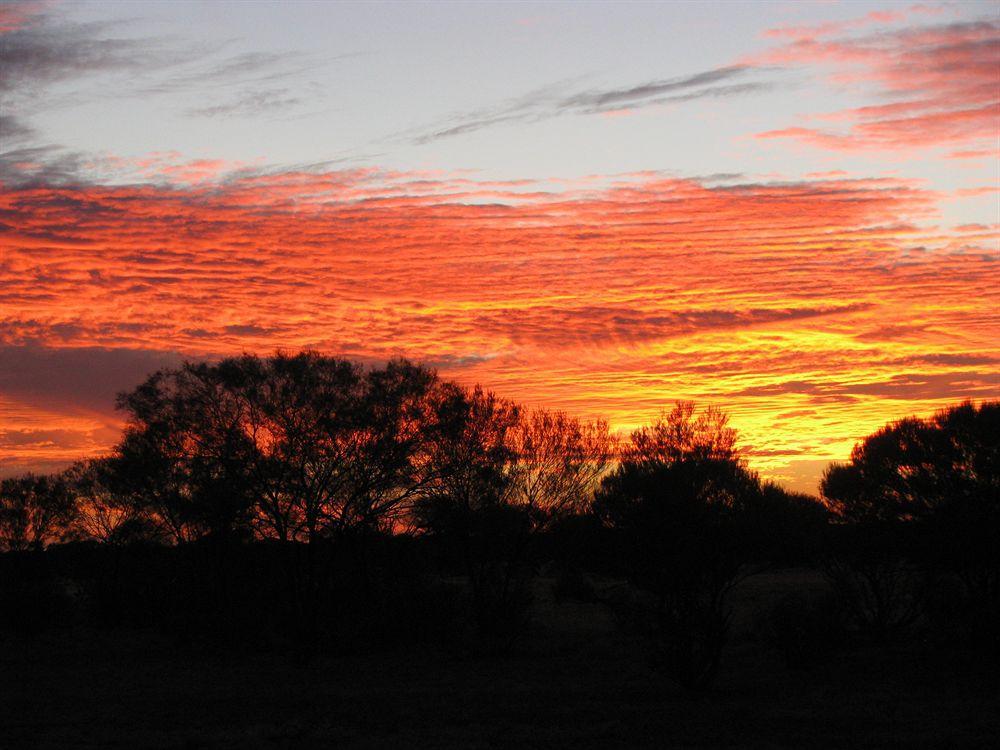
(805, 630)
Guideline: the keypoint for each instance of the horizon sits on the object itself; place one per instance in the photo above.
(788, 211)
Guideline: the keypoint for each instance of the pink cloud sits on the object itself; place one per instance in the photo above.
(986, 153)
(830, 28)
(977, 191)
(16, 15)
(939, 85)
(827, 175)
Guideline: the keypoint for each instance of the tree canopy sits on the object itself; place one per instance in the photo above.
(918, 468)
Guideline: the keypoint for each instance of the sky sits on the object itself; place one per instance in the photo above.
(789, 210)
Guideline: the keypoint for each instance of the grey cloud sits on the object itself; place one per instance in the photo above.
(247, 63)
(13, 467)
(616, 98)
(14, 129)
(249, 329)
(457, 361)
(594, 324)
(244, 69)
(50, 165)
(48, 52)
(20, 438)
(250, 103)
(954, 360)
(81, 377)
(889, 333)
(468, 127)
(552, 101)
(953, 385)
(717, 92)
(53, 165)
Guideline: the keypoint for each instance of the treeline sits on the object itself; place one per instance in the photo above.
(307, 503)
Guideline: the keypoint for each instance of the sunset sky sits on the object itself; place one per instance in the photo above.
(787, 209)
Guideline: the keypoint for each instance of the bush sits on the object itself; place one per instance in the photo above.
(572, 583)
(868, 567)
(958, 617)
(32, 600)
(805, 630)
(501, 600)
(688, 643)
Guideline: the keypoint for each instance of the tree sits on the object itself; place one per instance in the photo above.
(103, 513)
(35, 510)
(316, 453)
(674, 501)
(786, 527)
(559, 461)
(683, 434)
(935, 484)
(183, 457)
(916, 469)
(466, 504)
(502, 475)
(299, 447)
(880, 483)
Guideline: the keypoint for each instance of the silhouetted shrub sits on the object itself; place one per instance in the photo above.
(501, 606)
(960, 618)
(868, 567)
(579, 541)
(32, 599)
(572, 583)
(805, 630)
(30, 607)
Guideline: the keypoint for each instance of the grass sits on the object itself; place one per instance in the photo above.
(573, 681)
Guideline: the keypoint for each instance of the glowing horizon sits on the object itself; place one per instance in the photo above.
(813, 303)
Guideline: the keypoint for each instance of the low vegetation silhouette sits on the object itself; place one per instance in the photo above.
(312, 508)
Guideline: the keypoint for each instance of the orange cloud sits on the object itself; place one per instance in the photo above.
(813, 310)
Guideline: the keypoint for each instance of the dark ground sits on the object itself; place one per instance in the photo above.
(575, 681)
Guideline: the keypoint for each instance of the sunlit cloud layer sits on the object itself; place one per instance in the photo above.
(813, 311)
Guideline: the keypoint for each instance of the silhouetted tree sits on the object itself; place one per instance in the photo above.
(303, 449)
(501, 476)
(559, 462)
(35, 510)
(914, 468)
(927, 492)
(675, 502)
(466, 504)
(683, 434)
(103, 513)
(786, 527)
(303, 445)
(185, 453)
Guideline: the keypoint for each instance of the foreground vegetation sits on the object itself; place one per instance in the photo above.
(458, 571)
